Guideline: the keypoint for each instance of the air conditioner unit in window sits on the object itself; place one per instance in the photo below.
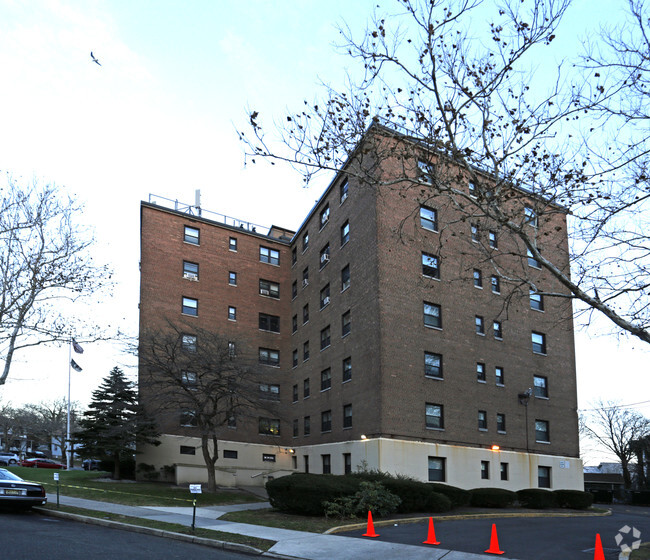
(305, 283)
(326, 300)
(190, 276)
(325, 258)
(264, 292)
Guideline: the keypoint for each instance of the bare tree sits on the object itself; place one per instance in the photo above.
(44, 262)
(50, 422)
(202, 379)
(506, 147)
(616, 429)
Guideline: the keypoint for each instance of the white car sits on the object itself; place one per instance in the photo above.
(8, 458)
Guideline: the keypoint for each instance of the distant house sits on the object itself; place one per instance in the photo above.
(604, 477)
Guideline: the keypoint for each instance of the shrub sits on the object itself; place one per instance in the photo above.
(536, 498)
(574, 499)
(602, 496)
(417, 496)
(458, 496)
(371, 496)
(492, 497)
(147, 471)
(305, 493)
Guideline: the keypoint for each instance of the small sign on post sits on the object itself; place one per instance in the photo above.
(56, 478)
(194, 489)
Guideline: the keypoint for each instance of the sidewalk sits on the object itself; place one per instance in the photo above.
(293, 544)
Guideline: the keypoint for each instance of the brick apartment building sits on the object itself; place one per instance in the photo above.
(382, 332)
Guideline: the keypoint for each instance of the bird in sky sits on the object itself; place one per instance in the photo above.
(94, 58)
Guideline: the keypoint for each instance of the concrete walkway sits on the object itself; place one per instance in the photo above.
(292, 544)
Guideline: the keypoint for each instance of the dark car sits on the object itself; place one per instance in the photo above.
(39, 463)
(18, 493)
(91, 464)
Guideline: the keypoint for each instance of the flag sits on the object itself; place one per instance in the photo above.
(75, 366)
(77, 347)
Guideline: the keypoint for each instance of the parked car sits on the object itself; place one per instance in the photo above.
(8, 458)
(91, 464)
(18, 493)
(40, 463)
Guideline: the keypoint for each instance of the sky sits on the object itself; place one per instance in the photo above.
(160, 116)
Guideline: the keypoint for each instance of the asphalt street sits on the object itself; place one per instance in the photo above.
(29, 535)
(546, 538)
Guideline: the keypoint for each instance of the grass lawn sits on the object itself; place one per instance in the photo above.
(271, 518)
(642, 553)
(262, 544)
(85, 484)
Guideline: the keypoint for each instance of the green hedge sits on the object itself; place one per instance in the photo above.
(458, 496)
(416, 496)
(536, 498)
(574, 499)
(492, 497)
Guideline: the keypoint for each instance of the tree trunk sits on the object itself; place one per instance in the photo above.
(116, 466)
(627, 479)
(210, 460)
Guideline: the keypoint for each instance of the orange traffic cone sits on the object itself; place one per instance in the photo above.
(598, 552)
(370, 532)
(494, 542)
(431, 537)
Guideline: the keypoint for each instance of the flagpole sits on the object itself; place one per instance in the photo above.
(67, 445)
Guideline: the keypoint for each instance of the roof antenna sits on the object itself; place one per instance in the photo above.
(197, 201)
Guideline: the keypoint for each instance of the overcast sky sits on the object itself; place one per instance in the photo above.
(159, 116)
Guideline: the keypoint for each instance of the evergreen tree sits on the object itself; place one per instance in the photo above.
(114, 422)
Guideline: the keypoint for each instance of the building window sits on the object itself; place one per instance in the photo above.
(433, 365)
(501, 423)
(306, 425)
(232, 244)
(294, 358)
(306, 458)
(347, 369)
(305, 241)
(232, 278)
(539, 342)
(325, 338)
(294, 324)
(343, 190)
(485, 470)
(480, 372)
(190, 270)
(536, 301)
(428, 218)
(294, 256)
(425, 171)
(471, 187)
(296, 429)
(305, 313)
(324, 216)
(232, 313)
(345, 277)
(544, 477)
(188, 343)
(294, 289)
(432, 315)
(345, 233)
(479, 325)
(294, 394)
(270, 289)
(192, 235)
(305, 389)
(541, 431)
(232, 423)
(475, 233)
(496, 285)
(498, 330)
(326, 421)
(270, 391)
(504, 471)
(346, 324)
(532, 261)
(229, 454)
(327, 464)
(478, 278)
(305, 277)
(482, 420)
(305, 351)
(492, 238)
(325, 296)
(232, 351)
(430, 266)
(188, 379)
(325, 255)
(347, 463)
(325, 379)
(433, 416)
(269, 426)
(347, 416)
(190, 306)
(189, 419)
(269, 323)
(541, 386)
(500, 378)
(269, 357)
(270, 256)
(187, 450)
(437, 469)
(530, 216)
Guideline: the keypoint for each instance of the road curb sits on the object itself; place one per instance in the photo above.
(388, 522)
(225, 545)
